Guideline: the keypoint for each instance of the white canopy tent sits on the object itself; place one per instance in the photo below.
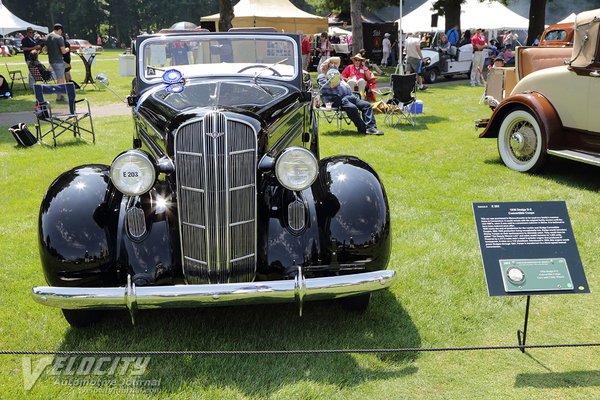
(335, 31)
(570, 18)
(488, 15)
(11, 23)
(279, 14)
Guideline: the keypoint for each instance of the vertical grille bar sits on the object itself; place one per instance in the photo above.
(215, 161)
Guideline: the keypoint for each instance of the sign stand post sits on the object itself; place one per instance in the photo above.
(522, 334)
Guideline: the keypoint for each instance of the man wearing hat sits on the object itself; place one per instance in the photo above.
(358, 75)
(55, 44)
(338, 93)
(387, 49)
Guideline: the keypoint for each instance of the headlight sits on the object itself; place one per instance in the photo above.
(133, 173)
(296, 168)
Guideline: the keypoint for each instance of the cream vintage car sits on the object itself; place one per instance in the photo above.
(540, 109)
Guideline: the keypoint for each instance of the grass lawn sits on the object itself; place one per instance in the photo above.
(432, 173)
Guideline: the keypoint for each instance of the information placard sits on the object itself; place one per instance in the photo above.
(528, 248)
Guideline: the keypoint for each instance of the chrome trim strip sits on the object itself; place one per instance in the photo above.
(243, 258)
(194, 260)
(299, 289)
(194, 225)
(242, 223)
(241, 187)
(191, 189)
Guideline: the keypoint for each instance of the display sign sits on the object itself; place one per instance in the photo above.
(528, 248)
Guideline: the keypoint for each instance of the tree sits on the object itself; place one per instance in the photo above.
(537, 17)
(451, 10)
(226, 10)
(356, 21)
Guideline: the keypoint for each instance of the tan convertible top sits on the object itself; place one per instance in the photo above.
(585, 42)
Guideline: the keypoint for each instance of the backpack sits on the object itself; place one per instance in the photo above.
(22, 135)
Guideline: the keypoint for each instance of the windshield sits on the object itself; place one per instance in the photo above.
(198, 56)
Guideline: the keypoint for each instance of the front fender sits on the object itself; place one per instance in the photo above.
(347, 224)
(538, 105)
(354, 213)
(73, 229)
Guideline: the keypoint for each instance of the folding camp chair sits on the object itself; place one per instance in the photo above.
(37, 74)
(60, 120)
(400, 99)
(15, 75)
(329, 114)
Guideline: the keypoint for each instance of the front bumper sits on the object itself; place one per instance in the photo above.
(131, 297)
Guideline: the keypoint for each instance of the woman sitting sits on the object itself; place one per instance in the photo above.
(360, 78)
(37, 69)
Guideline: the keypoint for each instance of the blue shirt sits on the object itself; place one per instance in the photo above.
(332, 95)
(453, 36)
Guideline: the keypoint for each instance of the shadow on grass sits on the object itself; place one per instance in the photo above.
(565, 172)
(421, 124)
(556, 380)
(324, 325)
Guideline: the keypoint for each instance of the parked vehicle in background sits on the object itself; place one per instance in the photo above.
(447, 64)
(13, 45)
(80, 44)
(551, 110)
(558, 35)
(224, 198)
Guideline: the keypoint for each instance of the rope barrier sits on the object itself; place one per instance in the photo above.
(289, 352)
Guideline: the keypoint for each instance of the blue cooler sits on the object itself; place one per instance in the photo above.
(416, 107)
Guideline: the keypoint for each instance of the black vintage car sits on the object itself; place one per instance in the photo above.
(223, 200)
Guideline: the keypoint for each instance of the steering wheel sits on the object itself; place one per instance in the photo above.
(275, 72)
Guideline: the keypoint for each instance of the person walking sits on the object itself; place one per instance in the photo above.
(414, 58)
(386, 45)
(55, 45)
(479, 45)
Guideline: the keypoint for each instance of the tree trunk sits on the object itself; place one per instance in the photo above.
(226, 10)
(452, 12)
(537, 17)
(357, 28)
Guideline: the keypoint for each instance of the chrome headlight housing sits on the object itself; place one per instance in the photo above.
(296, 168)
(133, 172)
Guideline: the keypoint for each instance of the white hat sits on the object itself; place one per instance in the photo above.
(387, 35)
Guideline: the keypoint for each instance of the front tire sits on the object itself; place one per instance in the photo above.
(431, 75)
(521, 144)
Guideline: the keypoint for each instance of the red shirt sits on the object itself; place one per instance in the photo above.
(305, 46)
(351, 71)
(478, 40)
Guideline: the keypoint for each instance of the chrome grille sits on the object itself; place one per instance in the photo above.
(215, 160)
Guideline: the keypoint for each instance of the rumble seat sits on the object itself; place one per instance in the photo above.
(530, 59)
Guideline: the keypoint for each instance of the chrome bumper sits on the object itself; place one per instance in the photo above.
(131, 297)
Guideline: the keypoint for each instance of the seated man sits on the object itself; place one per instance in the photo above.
(335, 91)
(358, 76)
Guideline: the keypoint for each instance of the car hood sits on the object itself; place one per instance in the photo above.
(263, 100)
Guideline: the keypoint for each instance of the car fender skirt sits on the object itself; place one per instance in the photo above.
(300, 289)
(536, 103)
(73, 229)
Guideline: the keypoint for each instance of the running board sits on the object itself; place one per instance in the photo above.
(581, 156)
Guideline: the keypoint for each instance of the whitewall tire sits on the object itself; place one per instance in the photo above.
(521, 144)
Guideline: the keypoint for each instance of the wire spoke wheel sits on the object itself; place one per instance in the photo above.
(520, 142)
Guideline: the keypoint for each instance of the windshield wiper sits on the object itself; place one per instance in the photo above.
(257, 75)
